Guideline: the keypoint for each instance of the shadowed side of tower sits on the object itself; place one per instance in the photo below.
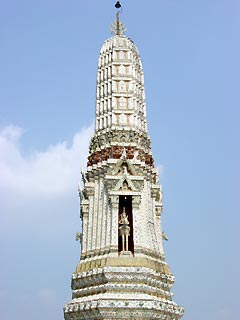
(122, 273)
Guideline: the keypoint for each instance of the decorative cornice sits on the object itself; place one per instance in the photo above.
(123, 308)
(123, 262)
(115, 152)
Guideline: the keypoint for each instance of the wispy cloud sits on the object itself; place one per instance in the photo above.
(40, 188)
(42, 173)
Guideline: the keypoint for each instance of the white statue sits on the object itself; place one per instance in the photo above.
(124, 154)
(124, 230)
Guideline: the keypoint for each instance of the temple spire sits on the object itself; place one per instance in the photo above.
(122, 273)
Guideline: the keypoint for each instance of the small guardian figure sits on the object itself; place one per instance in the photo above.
(124, 154)
(124, 230)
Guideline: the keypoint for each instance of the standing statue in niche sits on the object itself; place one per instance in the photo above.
(124, 230)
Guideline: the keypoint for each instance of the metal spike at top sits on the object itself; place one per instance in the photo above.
(118, 27)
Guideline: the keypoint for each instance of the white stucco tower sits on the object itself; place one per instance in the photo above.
(122, 273)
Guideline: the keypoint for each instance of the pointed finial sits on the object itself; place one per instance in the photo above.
(118, 5)
(118, 27)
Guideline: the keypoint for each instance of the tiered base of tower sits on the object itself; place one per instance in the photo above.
(138, 289)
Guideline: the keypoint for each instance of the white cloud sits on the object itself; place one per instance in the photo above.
(54, 171)
(39, 190)
(11, 132)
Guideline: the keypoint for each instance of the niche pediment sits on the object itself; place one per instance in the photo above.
(124, 166)
(124, 177)
(124, 184)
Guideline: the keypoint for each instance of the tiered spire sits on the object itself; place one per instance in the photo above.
(120, 103)
(122, 273)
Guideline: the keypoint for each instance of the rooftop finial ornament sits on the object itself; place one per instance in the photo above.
(118, 27)
(118, 5)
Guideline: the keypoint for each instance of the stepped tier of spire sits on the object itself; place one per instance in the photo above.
(120, 104)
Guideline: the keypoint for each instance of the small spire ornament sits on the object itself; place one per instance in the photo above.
(118, 28)
(118, 5)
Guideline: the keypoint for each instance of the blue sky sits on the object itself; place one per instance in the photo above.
(48, 61)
